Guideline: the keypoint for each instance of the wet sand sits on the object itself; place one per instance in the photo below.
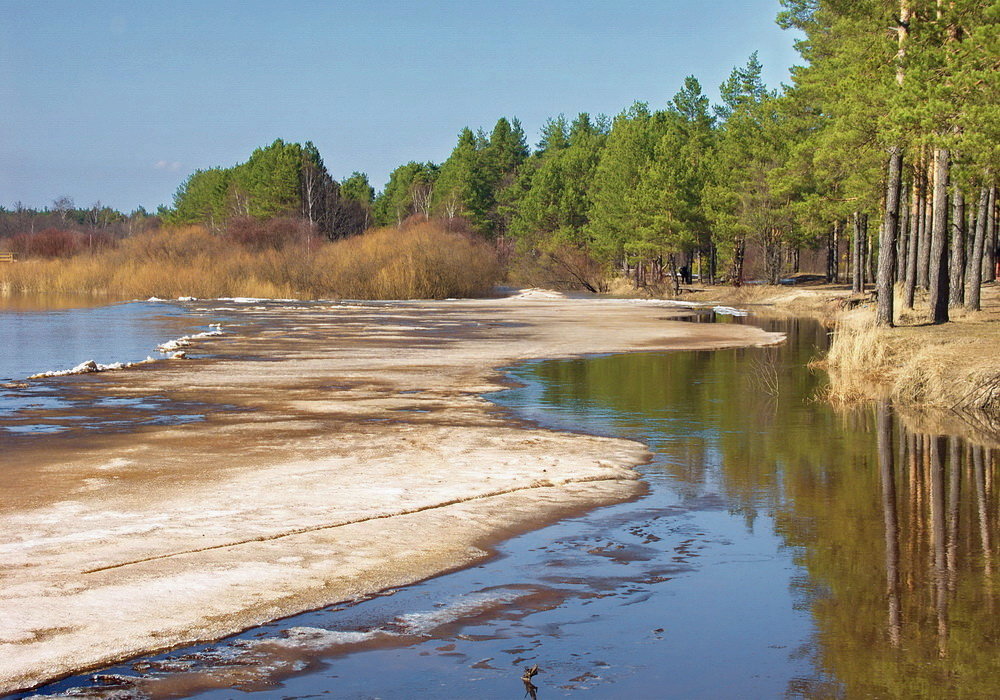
(354, 453)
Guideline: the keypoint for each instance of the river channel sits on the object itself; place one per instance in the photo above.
(774, 554)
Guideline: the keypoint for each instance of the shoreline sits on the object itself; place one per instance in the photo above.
(362, 430)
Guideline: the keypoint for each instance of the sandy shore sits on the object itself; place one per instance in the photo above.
(351, 451)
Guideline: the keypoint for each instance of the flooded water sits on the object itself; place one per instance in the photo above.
(40, 340)
(50, 334)
(783, 549)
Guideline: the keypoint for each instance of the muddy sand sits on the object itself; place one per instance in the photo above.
(346, 450)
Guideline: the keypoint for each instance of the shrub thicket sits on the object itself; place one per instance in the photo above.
(419, 260)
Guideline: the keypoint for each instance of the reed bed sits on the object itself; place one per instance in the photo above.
(419, 261)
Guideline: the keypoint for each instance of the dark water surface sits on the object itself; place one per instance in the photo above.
(775, 555)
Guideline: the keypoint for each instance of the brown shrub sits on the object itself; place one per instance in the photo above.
(418, 260)
(564, 266)
(59, 243)
(421, 260)
(272, 234)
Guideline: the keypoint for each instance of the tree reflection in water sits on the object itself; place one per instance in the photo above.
(895, 530)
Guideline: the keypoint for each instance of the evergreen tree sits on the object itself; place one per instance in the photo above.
(460, 189)
(357, 188)
(626, 155)
(408, 192)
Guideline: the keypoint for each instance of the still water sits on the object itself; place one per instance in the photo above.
(34, 340)
(779, 552)
(58, 333)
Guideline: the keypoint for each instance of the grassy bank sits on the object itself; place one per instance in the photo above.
(953, 367)
(421, 260)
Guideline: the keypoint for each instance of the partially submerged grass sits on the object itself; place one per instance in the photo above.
(421, 260)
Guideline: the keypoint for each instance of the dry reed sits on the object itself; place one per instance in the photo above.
(952, 367)
(420, 260)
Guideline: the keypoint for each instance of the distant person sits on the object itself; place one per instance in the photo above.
(686, 274)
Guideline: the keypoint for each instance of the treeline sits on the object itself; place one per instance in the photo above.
(65, 229)
(769, 174)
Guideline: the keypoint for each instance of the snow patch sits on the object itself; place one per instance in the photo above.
(416, 623)
(317, 638)
(729, 311)
(251, 300)
(537, 293)
(172, 346)
(90, 367)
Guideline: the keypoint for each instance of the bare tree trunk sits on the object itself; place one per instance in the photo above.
(886, 278)
(974, 273)
(990, 245)
(857, 261)
(738, 256)
(913, 249)
(902, 239)
(871, 262)
(938, 278)
(833, 254)
(970, 233)
(924, 248)
(957, 293)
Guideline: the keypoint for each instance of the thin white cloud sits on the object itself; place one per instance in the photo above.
(171, 165)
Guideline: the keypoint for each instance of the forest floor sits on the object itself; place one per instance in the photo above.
(346, 449)
(944, 376)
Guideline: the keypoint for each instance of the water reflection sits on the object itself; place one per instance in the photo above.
(939, 515)
(896, 531)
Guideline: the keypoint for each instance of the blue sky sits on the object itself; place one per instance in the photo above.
(120, 101)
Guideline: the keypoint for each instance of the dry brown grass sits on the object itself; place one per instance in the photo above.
(949, 367)
(420, 260)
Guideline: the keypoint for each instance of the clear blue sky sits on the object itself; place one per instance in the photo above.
(119, 101)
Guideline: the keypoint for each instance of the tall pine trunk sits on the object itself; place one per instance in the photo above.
(923, 247)
(739, 253)
(938, 274)
(887, 243)
(912, 252)
(857, 256)
(957, 294)
(990, 245)
(974, 271)
(902, 239)
(871, 257)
